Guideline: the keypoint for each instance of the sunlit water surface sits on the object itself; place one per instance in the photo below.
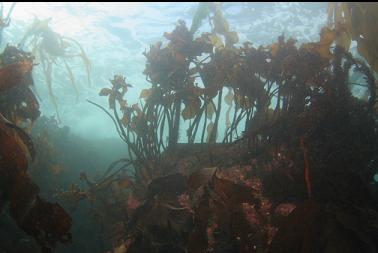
(115, 35)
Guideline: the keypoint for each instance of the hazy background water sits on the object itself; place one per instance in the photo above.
(115, 35)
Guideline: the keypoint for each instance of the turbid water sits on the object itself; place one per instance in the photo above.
(188, 127)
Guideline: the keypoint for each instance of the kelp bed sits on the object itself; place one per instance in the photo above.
(298, 179)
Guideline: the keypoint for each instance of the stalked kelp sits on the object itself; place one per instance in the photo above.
(48, 223)
(50, 48)
(153, 128)
(298, 146)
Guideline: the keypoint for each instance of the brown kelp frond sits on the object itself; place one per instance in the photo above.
(72, 78)
(50, 46)
(355, 21)
(24, 137)
(47, 223)
(47, 66)
(18, 103)
(36, 27)
(111, 116)
(84, 58)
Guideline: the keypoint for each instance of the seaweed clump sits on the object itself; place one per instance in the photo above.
(51, 48)
(293, 171)
(47, 222)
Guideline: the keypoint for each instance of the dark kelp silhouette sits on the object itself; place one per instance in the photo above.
(48, 223)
